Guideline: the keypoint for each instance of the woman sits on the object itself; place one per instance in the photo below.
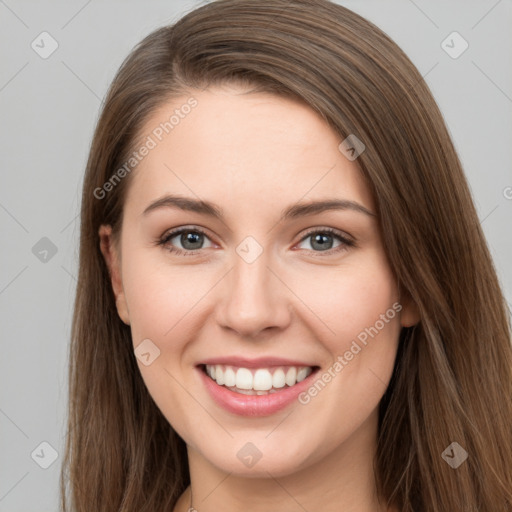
(335, 337)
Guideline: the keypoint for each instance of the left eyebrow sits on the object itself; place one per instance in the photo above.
(312, 208)
(291, 212)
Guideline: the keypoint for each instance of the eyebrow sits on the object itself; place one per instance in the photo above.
(291, 212)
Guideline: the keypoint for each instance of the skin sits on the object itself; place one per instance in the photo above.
(254, 155)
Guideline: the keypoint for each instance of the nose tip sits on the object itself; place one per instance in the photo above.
(253, 300)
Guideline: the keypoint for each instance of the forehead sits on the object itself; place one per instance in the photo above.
(248, 150)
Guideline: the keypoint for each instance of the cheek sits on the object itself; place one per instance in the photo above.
(161, 298)
(349, 299)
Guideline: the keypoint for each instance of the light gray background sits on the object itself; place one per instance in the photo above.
(48, 110)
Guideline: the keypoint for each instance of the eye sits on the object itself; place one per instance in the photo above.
(191, 239)
(322, 240)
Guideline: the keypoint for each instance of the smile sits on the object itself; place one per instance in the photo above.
(257, 381)
(255, 391)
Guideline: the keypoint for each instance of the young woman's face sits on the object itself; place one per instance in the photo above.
(251, 291)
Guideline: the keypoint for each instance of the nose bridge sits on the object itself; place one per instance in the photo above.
(253, 298)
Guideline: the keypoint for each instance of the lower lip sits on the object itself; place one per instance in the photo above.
(254, 405)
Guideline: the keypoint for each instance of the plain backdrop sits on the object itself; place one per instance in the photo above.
(49, 107)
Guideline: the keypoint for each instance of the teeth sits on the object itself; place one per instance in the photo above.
(219, 375)
(278, 379)
(302, 374)
(260, 381)
(229, 377)
(243, 379)
(291, 376)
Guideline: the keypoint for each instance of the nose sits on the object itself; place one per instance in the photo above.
(254, 299)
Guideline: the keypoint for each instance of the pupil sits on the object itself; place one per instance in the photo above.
(191, 238)
(321, 239)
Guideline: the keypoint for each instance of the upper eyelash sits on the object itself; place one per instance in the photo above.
(168, 236)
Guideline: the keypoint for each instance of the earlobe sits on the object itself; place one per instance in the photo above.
(112, 260)
(410, 314)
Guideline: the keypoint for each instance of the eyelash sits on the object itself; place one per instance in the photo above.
(345, 242)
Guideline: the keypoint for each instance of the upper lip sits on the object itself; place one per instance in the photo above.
(260, 362)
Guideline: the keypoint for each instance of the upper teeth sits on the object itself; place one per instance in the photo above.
(260, 379)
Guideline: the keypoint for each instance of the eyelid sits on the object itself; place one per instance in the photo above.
(346, 240)
(333, 231)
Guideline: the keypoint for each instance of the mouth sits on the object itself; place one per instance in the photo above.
(255, 391)
(257, 381)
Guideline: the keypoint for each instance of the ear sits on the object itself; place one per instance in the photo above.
(110, 253)
(410, 314)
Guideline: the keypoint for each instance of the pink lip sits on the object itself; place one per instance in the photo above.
(260, 362)
(254, 405)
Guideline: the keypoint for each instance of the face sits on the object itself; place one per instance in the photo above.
(295, 315)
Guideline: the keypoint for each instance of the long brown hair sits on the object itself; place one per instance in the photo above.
(452, 380)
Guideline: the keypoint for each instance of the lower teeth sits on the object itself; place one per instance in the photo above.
(254, 392)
